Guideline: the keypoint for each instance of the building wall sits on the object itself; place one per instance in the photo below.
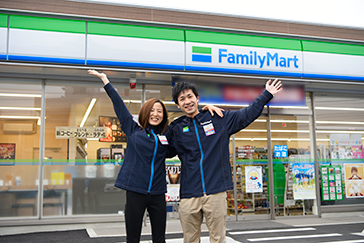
(181, 18)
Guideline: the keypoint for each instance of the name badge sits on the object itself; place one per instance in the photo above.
(209, 129)
(163, 140)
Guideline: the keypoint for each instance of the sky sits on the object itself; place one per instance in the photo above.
(343, 13)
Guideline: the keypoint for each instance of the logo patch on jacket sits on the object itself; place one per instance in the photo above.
(186, 129)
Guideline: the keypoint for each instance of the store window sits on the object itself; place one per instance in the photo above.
(251, 156)
(293, 165)
(340, 128)
(79, 173)
(20, 108)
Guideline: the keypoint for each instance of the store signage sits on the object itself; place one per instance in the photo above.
(137, 46)
(253, 179)
(227, 58)
(331, 183)
(80, 132)
(280, 151)
(225, 94)
(303, 181)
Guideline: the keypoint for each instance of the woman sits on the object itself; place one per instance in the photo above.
(143, 173)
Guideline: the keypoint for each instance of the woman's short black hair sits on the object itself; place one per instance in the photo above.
(179, 87)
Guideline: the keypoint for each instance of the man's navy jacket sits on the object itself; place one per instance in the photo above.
(202, 145)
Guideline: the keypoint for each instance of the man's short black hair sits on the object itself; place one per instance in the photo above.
(179, 87)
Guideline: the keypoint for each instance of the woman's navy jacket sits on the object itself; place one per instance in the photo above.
(202, 144)
(143, 169)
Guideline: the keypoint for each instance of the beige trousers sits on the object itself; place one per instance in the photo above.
(191, 212)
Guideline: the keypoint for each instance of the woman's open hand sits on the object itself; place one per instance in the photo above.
(213, 109)
(102, 76)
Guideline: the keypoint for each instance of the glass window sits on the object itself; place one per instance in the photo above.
(340, 125)
(293, 165)
(79, 173)
(251, 156)
(20, 107)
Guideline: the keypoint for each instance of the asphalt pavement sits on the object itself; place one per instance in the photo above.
(343, 228)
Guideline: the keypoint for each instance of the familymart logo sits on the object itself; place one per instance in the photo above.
(247, 57)
(201, 54)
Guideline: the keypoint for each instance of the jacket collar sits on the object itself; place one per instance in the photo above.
(198, 117)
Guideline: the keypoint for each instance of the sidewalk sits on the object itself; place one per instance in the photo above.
(174, 226)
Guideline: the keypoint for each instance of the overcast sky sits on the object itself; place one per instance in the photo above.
(345, 13)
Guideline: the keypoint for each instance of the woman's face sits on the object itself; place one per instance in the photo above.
(156, 114)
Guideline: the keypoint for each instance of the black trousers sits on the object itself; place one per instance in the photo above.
(136, 204)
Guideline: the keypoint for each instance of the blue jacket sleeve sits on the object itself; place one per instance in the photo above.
(234, 121)
(127, 124)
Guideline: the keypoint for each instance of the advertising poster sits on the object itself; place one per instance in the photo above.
(113, 130)
(173, 173)
(331, 183)
(7, 150)
(253, 179)
(354, 180)
(346, 146)
(303, 175)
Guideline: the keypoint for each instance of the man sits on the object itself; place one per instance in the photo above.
(202, 144)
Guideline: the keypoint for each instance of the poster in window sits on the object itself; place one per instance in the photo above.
(7, 150)
(331, 188)
(113, 130)
(253, 179)
(354, 180)
(173, 173)
(304, 180)
(346, 146)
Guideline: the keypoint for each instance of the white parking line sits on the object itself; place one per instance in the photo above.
(345, 241)
(294, 237)
(205, 239)
(269, 231)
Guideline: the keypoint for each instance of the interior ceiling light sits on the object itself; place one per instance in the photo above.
(340, 122)
(20, 117)
(339, 109)
(20, 108)
(21, 95)
(289, 121)
(133, 101)
(349, 131)
(88, 111)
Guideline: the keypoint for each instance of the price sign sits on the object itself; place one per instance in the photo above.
(80, 132)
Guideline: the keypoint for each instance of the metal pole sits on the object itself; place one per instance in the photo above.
(143, 94)
(41, 152)
(143, 101)
(270, 168)
(235, 184)
(317, 166)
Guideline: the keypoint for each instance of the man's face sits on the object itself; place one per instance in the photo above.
(187, 102)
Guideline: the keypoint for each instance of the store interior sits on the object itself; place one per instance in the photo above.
(75, 179)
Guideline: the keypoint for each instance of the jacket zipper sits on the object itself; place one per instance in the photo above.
(152, 165)
(201, 168)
